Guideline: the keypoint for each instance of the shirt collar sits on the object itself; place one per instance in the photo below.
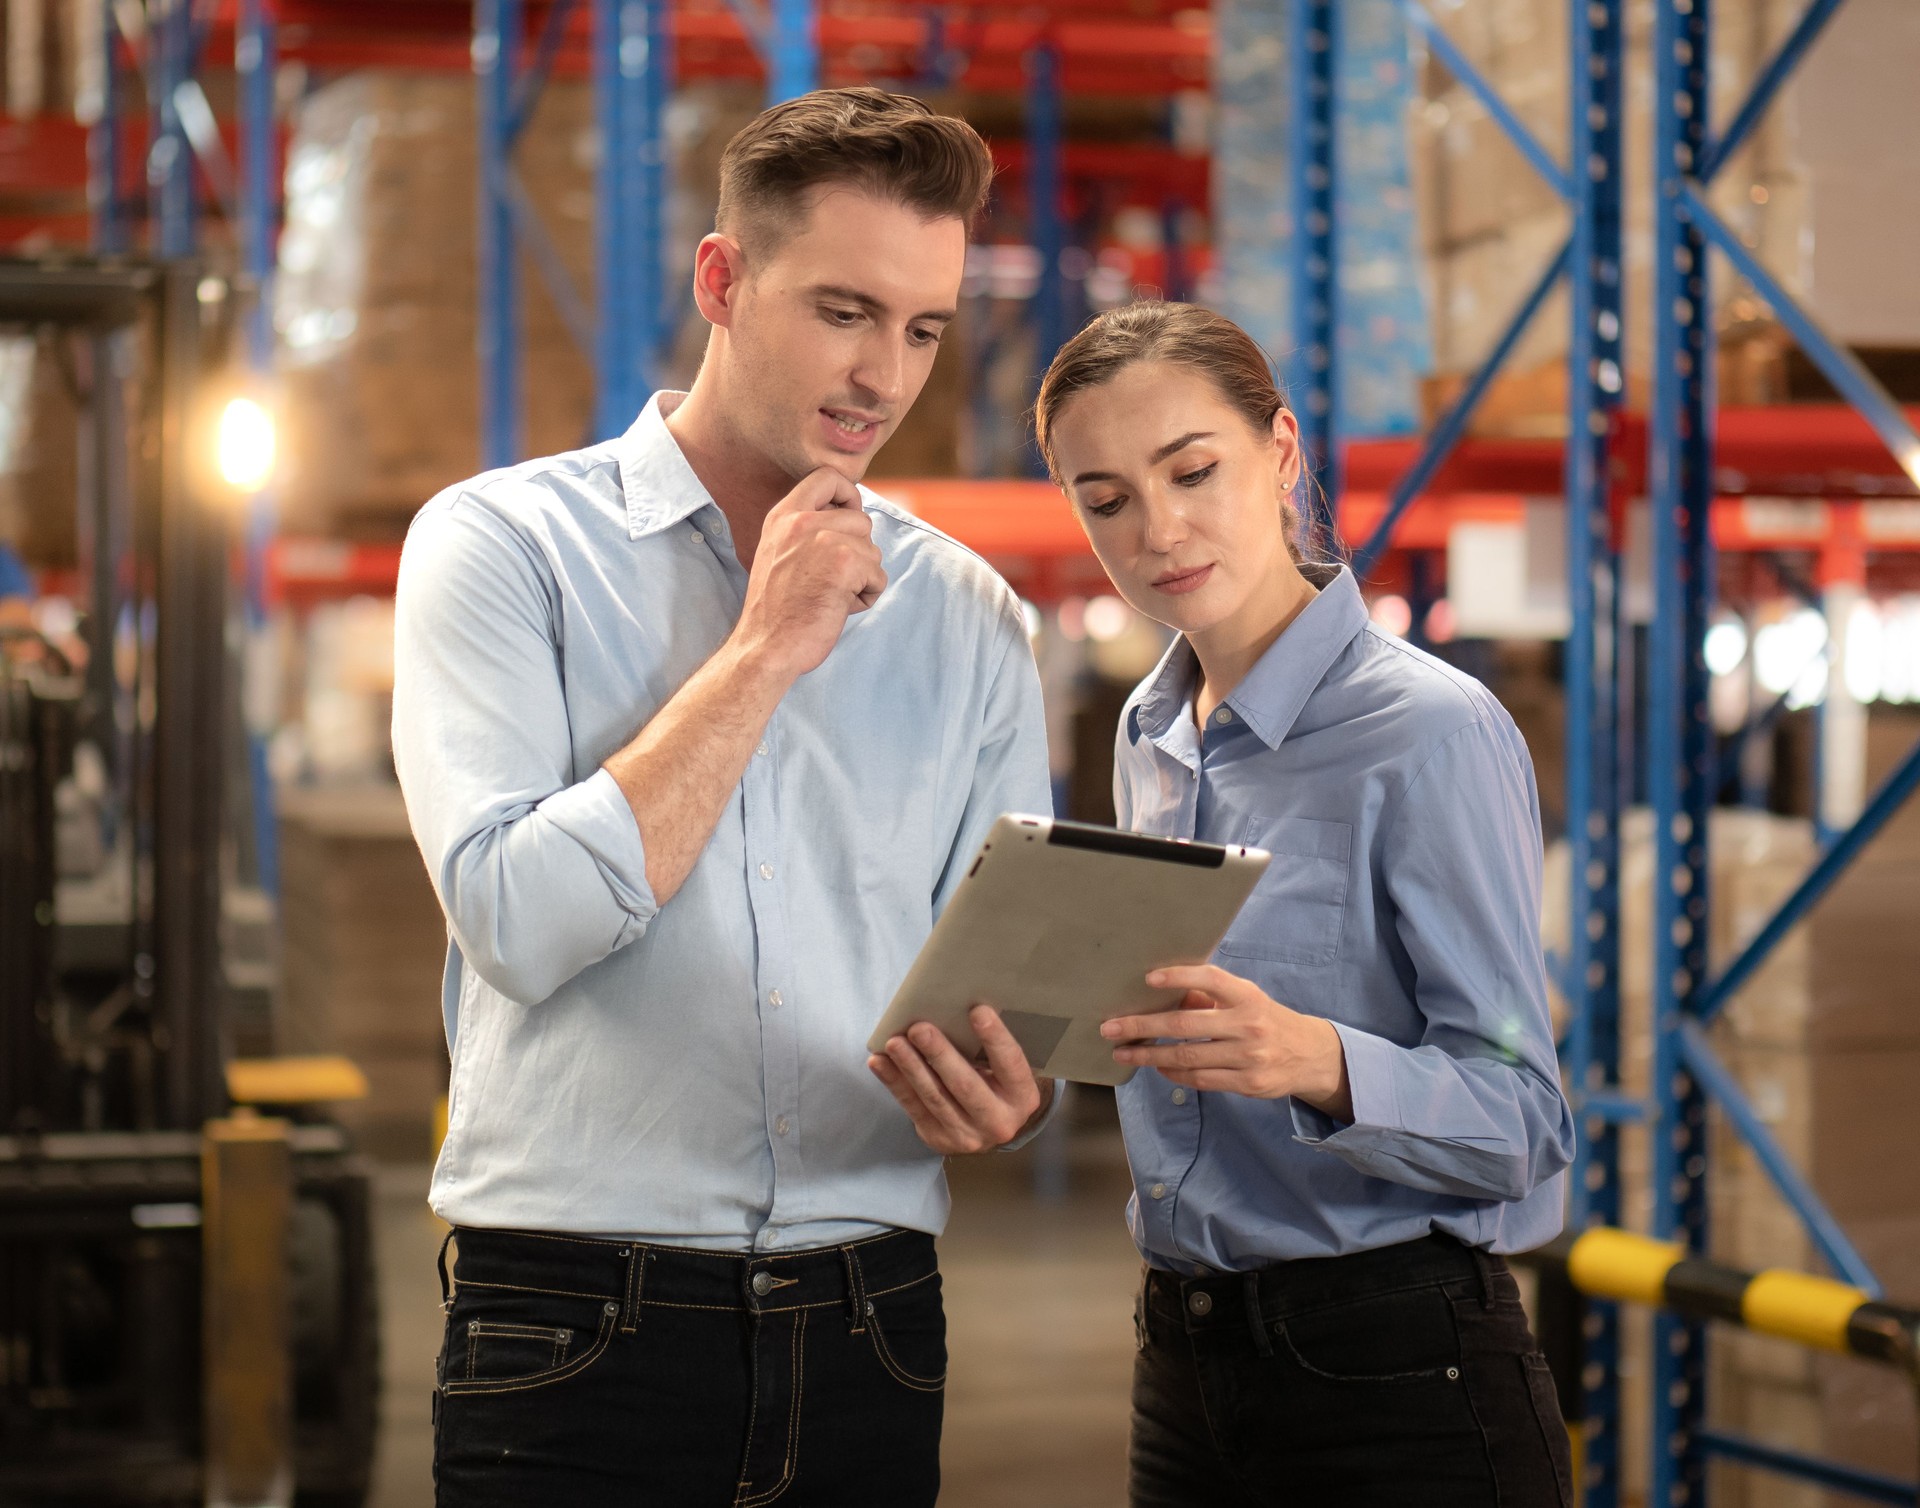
(1271, 697)
(658, 484)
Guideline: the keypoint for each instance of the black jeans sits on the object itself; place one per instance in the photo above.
(578, 1372)
(1384, 1379)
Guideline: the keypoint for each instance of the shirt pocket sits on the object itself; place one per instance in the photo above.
(1297, 911)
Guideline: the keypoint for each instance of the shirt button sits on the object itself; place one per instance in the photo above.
(766, 871)
(782, 1126)
(1158, 1191)
(761, 751)
(773, 1238)
(698, 537)
(1200, 1303)
(775, 999)
(763, 1282)
(1224, 715)
(1179, 1096)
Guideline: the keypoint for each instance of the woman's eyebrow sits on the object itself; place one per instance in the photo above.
(1180, 444)
(1153, 460)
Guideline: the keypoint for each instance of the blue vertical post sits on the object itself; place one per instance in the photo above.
(254, 61)
(1046, 213)
(632, 78)
(1592, 963)
(1680, 763)
(169, 156)
(793, 49)
(103, 144)
(657, 295)
(1313, 61)
(496, 64)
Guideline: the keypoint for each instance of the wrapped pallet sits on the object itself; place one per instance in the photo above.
(1827, 1052)
(375, 301)
(1491, 225)
(363, 943)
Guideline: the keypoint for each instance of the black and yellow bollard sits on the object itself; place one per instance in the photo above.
(246, 1200)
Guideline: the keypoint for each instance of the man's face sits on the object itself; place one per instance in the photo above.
(835, 329)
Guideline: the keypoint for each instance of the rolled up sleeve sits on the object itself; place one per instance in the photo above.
(1475, 1107)
(540, 873)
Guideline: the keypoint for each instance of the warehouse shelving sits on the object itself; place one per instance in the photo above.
(1715, 477)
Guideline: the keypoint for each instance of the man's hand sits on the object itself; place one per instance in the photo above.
(1229, 1035)
(815, 565)
(956, 1106)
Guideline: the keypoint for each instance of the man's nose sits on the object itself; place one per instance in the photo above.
(882, 371)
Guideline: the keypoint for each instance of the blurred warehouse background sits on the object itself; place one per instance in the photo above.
(1600, 314)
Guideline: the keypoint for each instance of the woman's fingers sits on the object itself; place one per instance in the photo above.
(1179, 1022)
(1185, 1055)
(1228, 989)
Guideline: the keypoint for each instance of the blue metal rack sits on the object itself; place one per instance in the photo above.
(182, 145)
(1682, 760)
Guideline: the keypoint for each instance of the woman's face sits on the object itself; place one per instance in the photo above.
(1179, 495)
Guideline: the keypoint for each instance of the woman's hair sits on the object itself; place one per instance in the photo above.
(1184, 334)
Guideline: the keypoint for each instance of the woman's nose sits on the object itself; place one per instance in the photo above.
(1166, 525)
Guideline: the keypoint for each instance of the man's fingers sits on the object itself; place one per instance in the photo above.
(929, 1125)
(928, 1086)
(1180, 1022)
(971, 1092)
(820, 489)
(1005, 1056)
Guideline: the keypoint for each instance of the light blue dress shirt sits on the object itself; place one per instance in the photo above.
(693, 1073)
(1402, 904)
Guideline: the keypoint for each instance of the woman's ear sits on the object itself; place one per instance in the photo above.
(1286, 450)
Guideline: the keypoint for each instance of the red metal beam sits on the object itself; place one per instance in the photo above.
(1801, 450)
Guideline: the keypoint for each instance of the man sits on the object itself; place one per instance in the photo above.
(694, 1235)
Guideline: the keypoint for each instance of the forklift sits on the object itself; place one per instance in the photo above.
(187, 1291)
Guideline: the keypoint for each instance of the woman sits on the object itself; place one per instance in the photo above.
(1357, 1107)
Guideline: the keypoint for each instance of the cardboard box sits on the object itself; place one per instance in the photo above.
(363, 948)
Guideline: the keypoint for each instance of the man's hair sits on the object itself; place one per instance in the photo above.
(891, 146)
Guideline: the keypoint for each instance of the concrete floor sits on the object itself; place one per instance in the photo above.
(1040, 1332)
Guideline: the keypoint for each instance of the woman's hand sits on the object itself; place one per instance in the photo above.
(1232, 1036)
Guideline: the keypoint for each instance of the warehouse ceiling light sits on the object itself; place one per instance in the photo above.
(246, 445)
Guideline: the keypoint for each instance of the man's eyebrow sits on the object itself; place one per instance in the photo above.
(1158, 456)
(873, 305)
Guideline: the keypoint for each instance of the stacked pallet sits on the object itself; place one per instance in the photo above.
(375, 302)
(1490, 224)
(1825, 1042)
(363, 945)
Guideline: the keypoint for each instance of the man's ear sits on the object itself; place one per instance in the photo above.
(719, 269)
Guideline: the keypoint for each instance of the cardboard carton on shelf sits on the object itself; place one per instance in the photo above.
(364, 942)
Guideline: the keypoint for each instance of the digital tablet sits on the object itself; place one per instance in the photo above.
(1056, 925)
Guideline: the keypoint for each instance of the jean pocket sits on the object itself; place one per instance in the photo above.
(497, 1348)
(1393, 1338)
(1299, 908)
(908, 1328)
(1546, 1409)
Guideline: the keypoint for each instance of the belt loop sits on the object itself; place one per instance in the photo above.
(1256, 1321)
(446, 1288)
(636, 1256)
(1141, 1340)
(856, 1290)
(1483, 1269)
